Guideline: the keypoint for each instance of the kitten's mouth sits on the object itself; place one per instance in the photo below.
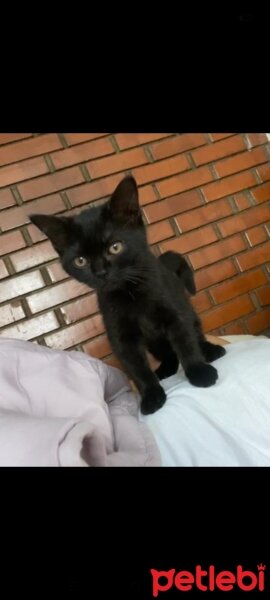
(110, 284)
(130, 280)
(106, 282)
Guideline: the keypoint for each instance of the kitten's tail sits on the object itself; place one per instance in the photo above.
(177, 263)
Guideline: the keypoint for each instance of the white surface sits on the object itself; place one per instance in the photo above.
(227, 424)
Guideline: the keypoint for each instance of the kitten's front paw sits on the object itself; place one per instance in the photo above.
(152, 400)
(202, 375)
(212, 351)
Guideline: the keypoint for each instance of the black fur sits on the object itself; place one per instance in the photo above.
(176, 262)
(143, 299)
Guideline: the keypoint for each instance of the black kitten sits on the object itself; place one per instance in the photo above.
(143, 299)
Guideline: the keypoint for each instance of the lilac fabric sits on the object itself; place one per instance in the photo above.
(67, 409)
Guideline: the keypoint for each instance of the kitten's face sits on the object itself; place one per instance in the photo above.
(102, 247)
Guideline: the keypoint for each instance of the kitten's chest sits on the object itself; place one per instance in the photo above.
(140, 312)
(149, 325)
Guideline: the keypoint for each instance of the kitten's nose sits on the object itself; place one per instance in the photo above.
(99, 268)
(101, 273)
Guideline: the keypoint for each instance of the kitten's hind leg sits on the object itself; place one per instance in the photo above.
(162, 350)
(183, 338)
(210, 351)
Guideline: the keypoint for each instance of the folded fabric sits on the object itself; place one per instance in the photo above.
(68, 409)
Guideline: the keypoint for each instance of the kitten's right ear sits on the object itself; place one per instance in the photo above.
(57, 229)
(124, 203)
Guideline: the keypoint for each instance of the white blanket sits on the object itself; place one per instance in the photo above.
(224, 425)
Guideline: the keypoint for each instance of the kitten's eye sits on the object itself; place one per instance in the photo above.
(80, 262)
(116, 248)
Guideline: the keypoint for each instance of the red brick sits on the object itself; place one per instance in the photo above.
(50, 183)
(128, 140)
(211, 275)
(25, 169)
(56, 295)
(82, 153)
(33, 256)
(234, 329)
(56, 272)
(3, 269)
(212, 152)
(264, 171)
(256, 139)
(15, 217)
(185, 181)
(78, 138)
(6, 199)
(259, 322)
(75, 334)
(264, 295)
(161, 169)
(261, 193)
(176, 145)
(147, 195)
(201, 302)
(231, 311)
(7, 138)
(242, 202)
(10, 313)
(205, 214)
(254, 257)
(31, 328)
(217, 251)
(103, 188)
(118, 162)
(229, 185)
(84, 307)
(219, 136)
(35, 234)
(171, 206)
(99, 347)
(256, 235)
(11, 241)
(244, 220)
(159, 231)
(33, 147)
(189, 241)
(236, 287)
(84, 194)
(251, 158)
(22, 284)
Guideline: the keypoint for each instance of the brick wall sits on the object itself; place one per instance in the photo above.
(205, 195)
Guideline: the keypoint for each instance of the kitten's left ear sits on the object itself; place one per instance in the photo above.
(124, 203)
(57, 229)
